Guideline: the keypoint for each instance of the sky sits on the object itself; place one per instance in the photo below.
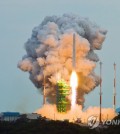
(18, 18)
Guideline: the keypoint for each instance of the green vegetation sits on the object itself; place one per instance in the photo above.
(43, 126)
(113, 129)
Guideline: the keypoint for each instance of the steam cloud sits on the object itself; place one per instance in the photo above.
(77, 112)
(49, 52)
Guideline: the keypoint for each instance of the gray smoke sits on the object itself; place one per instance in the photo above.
(49, 52)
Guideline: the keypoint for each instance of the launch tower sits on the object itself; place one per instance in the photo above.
(62, 93)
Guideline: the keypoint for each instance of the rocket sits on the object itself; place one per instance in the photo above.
(74, 53)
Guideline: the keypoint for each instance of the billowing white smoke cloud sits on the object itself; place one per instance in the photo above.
(49, 51)
(72, 115)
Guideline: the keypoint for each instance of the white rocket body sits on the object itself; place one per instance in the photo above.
(74, 53)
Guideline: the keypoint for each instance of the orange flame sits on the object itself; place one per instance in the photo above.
(73, 84)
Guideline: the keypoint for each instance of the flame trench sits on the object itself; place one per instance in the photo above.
(73, 85)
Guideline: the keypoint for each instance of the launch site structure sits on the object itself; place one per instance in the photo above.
(114, 90)
(44, 95)
(100, 116)
(62, 93)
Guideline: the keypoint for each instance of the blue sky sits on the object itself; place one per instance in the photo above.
(18, 18)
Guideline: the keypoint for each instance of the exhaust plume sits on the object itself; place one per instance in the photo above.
(73, 85)
(77, 112)
(49, 52)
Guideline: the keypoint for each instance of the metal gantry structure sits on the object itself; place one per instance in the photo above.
(114, 89)
(100, 116)
(62, 92)
(44, 94)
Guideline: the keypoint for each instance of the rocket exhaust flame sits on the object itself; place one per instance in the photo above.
(73, 85)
